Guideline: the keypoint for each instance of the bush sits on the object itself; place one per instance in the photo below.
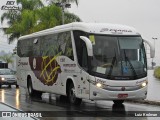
(157, 72)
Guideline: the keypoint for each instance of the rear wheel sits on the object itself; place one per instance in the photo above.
(118, 102)
(17, 86)
(72, 97)
(31, 91)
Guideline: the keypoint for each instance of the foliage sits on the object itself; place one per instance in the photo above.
(7, 58)
(157, 72)
(33, 17)
(48, 17)
(70, 17)
(30, 4)
(63, 1)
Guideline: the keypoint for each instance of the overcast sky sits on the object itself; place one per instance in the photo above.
(144, 15)
(3, 38)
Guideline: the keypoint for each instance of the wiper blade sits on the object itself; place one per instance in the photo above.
(127, 59)
(111, 68)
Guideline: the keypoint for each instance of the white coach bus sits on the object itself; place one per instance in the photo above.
(84, 61)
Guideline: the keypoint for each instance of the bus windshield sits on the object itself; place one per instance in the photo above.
(118, 57)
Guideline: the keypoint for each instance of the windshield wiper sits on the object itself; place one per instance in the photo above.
(127, 59)
(113, 62)
(111, 68)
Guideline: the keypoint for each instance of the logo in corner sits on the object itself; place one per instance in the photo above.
(10, 5)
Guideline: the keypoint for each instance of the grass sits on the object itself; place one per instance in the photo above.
(157, 72)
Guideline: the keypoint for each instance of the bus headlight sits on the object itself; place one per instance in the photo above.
(99, 85)
(144, 84)
(2, 78)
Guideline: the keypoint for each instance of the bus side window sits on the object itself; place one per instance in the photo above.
(65, 44)
(19, 53)
(81, 50)
(24, 48)
(49, 45)
(36, 47)
(84, 56)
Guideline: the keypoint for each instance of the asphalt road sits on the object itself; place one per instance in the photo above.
(57, 108)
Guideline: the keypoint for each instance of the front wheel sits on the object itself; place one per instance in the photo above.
(118, 102)
(72, 97)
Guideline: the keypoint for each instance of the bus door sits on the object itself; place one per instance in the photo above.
(82, 61)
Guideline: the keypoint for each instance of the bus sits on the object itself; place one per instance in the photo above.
(95, 61)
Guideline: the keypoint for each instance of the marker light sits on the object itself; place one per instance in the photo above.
(99, 85)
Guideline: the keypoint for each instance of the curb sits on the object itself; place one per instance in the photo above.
(144, 102)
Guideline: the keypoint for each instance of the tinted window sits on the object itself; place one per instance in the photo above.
(25, 48)
(65, 44)
(49, 45)
(81, 49)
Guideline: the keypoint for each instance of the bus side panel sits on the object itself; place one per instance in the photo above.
(71, 71)
(22, 68)
(45, 73)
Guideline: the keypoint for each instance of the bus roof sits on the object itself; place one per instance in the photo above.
(95, 28)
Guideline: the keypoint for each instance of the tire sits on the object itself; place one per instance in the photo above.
(72, 97)
(118, 102)
(17, 86)
(33, 93)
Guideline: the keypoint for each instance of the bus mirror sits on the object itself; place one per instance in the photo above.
(88, 44)
(152, 49)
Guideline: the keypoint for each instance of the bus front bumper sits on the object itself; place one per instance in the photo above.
(102, 94)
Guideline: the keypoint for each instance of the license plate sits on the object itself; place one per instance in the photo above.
(122, 95)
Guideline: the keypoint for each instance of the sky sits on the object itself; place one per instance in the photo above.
(144, 15)
(3, 38)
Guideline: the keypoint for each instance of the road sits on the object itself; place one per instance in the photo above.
(153, 87)
(57, 106)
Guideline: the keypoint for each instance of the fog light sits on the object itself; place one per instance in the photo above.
(99, 85)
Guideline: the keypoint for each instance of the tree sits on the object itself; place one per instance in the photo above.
(51, 16)
(70, 17)
(63, 1)
(15, 16)
(7, 58)
(33, 17)
(48, 17)
(30, 4)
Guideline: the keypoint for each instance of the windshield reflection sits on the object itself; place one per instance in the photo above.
(118, 57)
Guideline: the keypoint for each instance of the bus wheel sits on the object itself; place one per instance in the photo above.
(32, 92)
(72, 97)
(118, 102)
(17, 86)
(30, 88)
